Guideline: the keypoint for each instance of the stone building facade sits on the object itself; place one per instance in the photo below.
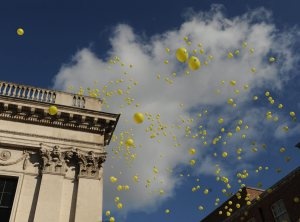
(51, 165)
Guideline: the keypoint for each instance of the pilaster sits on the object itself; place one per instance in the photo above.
(89, 200)
(49, 200)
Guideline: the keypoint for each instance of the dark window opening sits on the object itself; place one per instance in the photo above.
(8, 187)
(262, 217)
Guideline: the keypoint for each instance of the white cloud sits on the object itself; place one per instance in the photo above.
(219, 35)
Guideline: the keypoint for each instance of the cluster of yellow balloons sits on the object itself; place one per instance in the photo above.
(183, 56)
(113, 179)
(108, 214)
(127, 143)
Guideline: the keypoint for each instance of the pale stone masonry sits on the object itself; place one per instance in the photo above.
(57, 160)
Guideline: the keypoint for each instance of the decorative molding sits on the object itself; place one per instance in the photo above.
(49, 137)
(89, 163)
(54, 160)
(5, 155)
(103, 124)
(24, 157)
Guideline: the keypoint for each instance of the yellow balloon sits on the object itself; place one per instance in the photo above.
(201, 207)
(194, 63)
(224, 154)
(182, 54)
(230, 101)
(136, 178)
(192, 151)
(120, 205)
(107, 213)
(155, 170)
(120, 91)
(233, 82)
(272, 59)
(113, 179)
(282, 149)
(20, 31)
(52, 110)
(111, 219)
(129, 142)
(192, 162)
(230, 55)
(138, 118)
(221, 120)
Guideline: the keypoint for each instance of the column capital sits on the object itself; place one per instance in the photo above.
(52, 160)
(57, 160)
(89, 163)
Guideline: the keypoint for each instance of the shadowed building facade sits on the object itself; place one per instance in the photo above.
(51, 165)
(279, 203)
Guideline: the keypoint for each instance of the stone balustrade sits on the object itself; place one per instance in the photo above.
(49, 96)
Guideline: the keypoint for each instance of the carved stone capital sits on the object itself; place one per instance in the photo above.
(52, 160)
(87, 164)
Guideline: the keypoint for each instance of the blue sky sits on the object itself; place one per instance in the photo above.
(70, 43)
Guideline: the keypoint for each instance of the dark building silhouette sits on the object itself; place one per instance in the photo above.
(279, 203)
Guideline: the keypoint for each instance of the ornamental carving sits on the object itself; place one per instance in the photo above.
(54, 160)
(5, 155)
(89, 163)
(25, 158)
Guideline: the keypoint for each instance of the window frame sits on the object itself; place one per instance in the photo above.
(19, 177)
(276, 215)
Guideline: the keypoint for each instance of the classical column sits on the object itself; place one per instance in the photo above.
(53, 168)
(90, 187)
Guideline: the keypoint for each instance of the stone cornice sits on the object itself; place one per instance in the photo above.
(33, 112)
